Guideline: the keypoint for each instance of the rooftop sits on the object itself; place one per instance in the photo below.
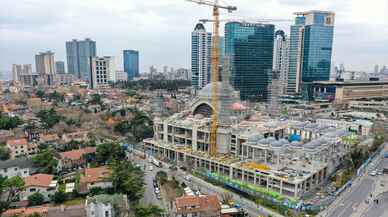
(97, 174)
(17, 142)
(18, 162)
(191, 204)
(77, 154)
(39, 180)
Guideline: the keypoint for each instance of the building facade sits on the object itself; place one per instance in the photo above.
(78, 53)
(45, 64)
(311, 45)
(280, 58)
(131, 63)
(249, 46)
(102, 72)
(201, 42)
(60, 67)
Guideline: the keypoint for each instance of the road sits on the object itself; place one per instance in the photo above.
(149, 196)
(352, 202)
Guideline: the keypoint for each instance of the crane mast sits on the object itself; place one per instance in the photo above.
(215, 62)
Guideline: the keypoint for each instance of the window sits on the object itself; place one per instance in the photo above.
(16, 169)
(106, 213)
(32, 189)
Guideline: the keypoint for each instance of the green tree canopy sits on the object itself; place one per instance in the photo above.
(49, 118)
(7, 122)
(36, 199)
(9, 191)
(46, 161)
(148, 211)
(127, 179)
(106, 152)
(4, 153)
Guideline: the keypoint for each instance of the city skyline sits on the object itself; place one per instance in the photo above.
(173, 20)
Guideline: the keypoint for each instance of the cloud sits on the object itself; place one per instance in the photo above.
(160, 29)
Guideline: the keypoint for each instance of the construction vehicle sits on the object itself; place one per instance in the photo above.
(215, 62)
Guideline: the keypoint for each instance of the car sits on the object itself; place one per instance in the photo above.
(158, 196)
(380, 173)
(187, 178)
(151, 168)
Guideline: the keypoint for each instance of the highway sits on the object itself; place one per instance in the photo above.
(352, 203)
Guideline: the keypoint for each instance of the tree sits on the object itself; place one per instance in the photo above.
(4, 153)
(148, 211)
(36, 199)
(127, 179)
(9, 191)
(46, 161)
(49, 118)
(161, 176)
(109, 151)
(59, 197)
(96, 99)
(40, 94)
(7, 123)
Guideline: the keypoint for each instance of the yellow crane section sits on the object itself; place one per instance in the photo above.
(215, 62)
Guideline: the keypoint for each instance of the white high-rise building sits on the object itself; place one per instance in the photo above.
(200, 56)
(103, 71)
(281, 58)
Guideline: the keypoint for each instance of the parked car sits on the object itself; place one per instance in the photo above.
(151, 168)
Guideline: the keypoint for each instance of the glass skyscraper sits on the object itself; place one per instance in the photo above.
(78, 55)
(131, 63)
(250, 49)
(311, 44)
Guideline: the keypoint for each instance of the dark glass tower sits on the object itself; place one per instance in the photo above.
(311, 46)
(250, 49)
(78, 57)
(131, 63)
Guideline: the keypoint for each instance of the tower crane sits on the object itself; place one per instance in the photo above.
(215, 60)
(258, 20)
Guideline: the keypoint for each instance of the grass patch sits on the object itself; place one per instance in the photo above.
(75, 201)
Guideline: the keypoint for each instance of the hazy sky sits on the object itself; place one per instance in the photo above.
(160, 29)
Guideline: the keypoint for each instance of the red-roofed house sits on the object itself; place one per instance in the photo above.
(42, 183)
(201, 206)
(74, 158)
(95, 177)
(25, 212)
(21, 147)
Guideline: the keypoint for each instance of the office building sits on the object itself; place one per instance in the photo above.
(78, 54)
(45, 64)
(201, 42)
(60, 67)
(280, 59)
(103, 72)
(311, 43)
(250, 49)
(131, 63)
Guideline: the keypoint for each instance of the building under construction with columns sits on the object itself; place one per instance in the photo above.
(283, 156)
